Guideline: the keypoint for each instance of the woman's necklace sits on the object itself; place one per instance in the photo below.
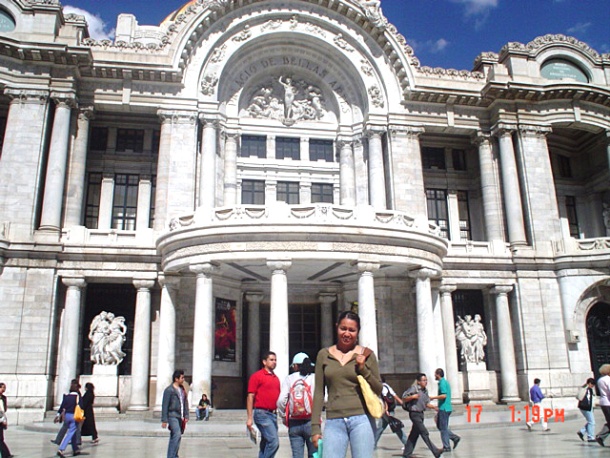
(345, 353)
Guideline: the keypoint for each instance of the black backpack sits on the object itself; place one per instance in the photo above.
(389, 400)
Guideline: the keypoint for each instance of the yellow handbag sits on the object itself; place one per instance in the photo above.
(79, 414)
(374, 404)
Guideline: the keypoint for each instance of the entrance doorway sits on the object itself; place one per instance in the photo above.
(598, 335)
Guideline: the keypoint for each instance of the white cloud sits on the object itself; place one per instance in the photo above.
(429, 46)
(580, 27)
(439, 45)
(98, 29)
(474, 7)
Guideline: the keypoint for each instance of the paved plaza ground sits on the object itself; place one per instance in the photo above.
(494, 436)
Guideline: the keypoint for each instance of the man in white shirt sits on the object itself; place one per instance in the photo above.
(603, 385)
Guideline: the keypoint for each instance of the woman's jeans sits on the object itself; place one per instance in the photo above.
(266, 422)
(589, 428)
(357, 431)
(71, 434)
(299, 433)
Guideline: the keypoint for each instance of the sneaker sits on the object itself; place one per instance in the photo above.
(600, 441)
(529, 427)
(546, 430)
(95, 441)
(78, 452)
(581, 435)
(60, 453)
(456, 442)
(591, 440)
(446, 449)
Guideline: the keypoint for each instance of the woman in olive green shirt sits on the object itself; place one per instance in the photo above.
(337, 367)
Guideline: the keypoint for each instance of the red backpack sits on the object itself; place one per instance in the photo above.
(300, 401)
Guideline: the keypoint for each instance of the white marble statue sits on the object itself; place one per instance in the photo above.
(107, 335)
(471, 338)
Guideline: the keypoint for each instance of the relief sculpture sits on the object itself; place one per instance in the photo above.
(107, 335)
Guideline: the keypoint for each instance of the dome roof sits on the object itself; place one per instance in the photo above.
(172, 16)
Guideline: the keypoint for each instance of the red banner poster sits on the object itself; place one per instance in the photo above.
(225, 330)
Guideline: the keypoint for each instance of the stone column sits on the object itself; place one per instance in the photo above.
(451, 359)
(75, 195)
(366, 304)
(176, 166)
(347, 175)
(70, 343)
(510, 185)
(144, 196)
(278, 329)
(104, 218)
(376, 169)
(326, 318)
(425, 323)
(57, 162)
(207, 169)
(203, 332)
(304, 149)
(454, 215)
(21, 159)
(230, 184)
(508, 365)
(492, 204)
(140, 359)
(166, 356)
(254, 300)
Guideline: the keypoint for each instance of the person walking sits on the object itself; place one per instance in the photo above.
(89, 428)
(296, 400)
(203, 408)
(261, 404)
(66, 409)
(175, 412)
(603, 385)
(347, 419)
(64, 426)
(390, 399)
(4, 450)
(416, 400)
(536, 398)
(444, 411)
(585, 404)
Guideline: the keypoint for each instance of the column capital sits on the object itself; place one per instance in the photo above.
(344, 142)
(64, 100)
(177, 117)
(231, 135)
(534, 130)
(254, 296)
(501, 289)
(481, 138)
(143, 284)
(502, 129)
(169, 281)
(209, 120)
(204, 269)
(279, 265)
(26, 95)
(74, 282)
(366, 266)
(447, 288)
(411, 132)
(373, 131)
(327, 298)
(424, 273)
(86, 113)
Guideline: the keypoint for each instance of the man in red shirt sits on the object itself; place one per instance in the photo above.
(263, 391)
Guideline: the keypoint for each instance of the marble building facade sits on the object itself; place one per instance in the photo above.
(294, 159)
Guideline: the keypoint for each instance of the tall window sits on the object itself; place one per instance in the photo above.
(433, 158)
(153, 191)
(565, 168)
(253, 192)
(130, 140)
(572, 216)
(321, 150)
(288, 148)
(253, 145)
(288, 192)
(464, 215)
(125, 203)
(98, 139)
(459, 159)
(156, 140)
(92, 207)
(321, 192)
(437, 209)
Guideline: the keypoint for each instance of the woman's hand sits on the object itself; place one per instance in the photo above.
(315, 438)
(360, 360)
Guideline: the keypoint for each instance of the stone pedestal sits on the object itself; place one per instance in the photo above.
(476, 382)
(106, 382)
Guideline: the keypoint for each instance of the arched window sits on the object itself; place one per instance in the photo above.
(7, 23)
(558, 69)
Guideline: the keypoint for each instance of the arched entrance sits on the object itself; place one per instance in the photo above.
(598, 335)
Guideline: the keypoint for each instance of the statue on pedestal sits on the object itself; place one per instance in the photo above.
(471, 338)
(107, 335)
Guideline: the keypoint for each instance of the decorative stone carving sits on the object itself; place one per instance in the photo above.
(218, 54)
(366, 68)
(315, 29)
(208, 84)
(341, 43)
(271, 24)
(372, 10)
(471, 338)
(376, 97)
(107, 335)
(301, 101)
(243, 35)
(215, 5)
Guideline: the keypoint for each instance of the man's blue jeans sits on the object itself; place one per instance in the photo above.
(589, 428)
(357, 431)
(299, 433)
(174, 438)
(442, 423)
(266, 422)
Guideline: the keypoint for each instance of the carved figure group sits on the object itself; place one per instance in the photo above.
(471, 338)
(107, 335)
(302, 101)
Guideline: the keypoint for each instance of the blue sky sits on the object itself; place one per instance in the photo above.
(444, 33)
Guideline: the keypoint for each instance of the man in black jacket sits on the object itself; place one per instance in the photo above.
(175, 412)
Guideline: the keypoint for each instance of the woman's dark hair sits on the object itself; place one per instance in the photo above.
(590, 381)
(74, 385)
(348, 314)
(89, 386)
(306, 367)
